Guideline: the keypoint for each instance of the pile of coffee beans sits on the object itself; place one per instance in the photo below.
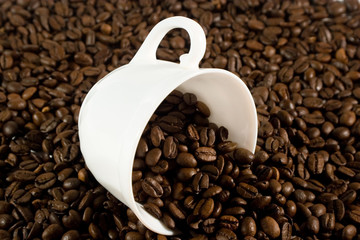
(299, 58)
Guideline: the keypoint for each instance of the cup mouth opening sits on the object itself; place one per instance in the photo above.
(205, 83)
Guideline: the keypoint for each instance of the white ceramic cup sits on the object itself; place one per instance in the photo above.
(118, 107)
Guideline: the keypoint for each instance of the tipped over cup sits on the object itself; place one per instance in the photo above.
(118, 107)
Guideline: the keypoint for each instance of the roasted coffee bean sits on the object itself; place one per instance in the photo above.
(151, 187)
(313, 225)
(153, 157)
(316, 163)
(212, 171)
(169, 221)
(190, 99)
(142, 148)
(153, 210)
(246, 191)
(45, 180)
(349, 232)
(243, 156)
(286, 231)
(205, 154)
(186, 160)
(71, 235)
(71, 183)
(224, 233)
(354, 216)
(200, 181)
(156, 136)
(204, 208)
(270, 227)
(327, 221)
(24, 175)
(248, 227)
(192, 132)
(171, 124)
(209, 225)
(318, 209)
(207, 137)
(175, 211)
(72, 219)
(133, 236)
(185, 174)
(337, 207)
(53, 231)
(227, 146)
(229, 222)
(170, 147)
(212, 191)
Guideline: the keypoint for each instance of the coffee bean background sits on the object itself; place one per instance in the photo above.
(300, 59)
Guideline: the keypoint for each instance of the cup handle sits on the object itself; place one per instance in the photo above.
(147, 51)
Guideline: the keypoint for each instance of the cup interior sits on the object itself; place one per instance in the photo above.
(231, 106)
(230, 103)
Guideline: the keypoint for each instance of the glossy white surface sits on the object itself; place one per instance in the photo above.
(117, 108)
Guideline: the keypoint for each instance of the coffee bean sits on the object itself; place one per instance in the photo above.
(192, 132)
(71, 183)
(327, 221)
(270, 227)
(234, 211)
(224, 233)
(203, 108)
(286, 231)
(349, 232)
(71, 235)
(316, 163)
(171, 124)
(142, 148)
(169, 222)
(200, 181)
(354, 216)
(186, 160)
(175, 211)
(24, 175)
(170, 147)
(58, 206)
(5, 221)
(153, 210)
(227, 146)
(211, 171)
(53, 231)
(156, 136)
(246, 190)
(212, 191)
(153, 157)
(313, 225)
(45, 180)
(190, 99)
(205, 154)
(248, 227)
(152, 187)
(209, 225)
(243, 156)
(70, 196)
(204, 208)
(133, 236)
(72, 220)
(185, 174)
